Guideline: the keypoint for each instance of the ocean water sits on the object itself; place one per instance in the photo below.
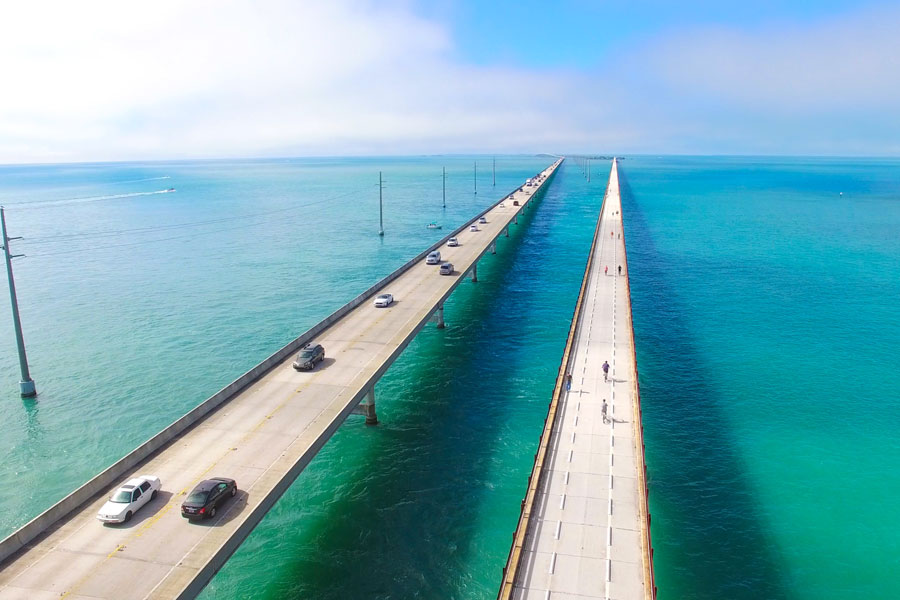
(765, 296)
(765, 315)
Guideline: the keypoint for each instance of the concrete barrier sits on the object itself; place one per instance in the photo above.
(104, 480)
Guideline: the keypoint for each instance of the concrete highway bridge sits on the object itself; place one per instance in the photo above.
(261, 430)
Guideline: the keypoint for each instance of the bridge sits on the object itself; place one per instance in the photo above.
(261, 430)
(584, 529)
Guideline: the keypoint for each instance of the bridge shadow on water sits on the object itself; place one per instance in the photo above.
(709, 532)
(399, 510)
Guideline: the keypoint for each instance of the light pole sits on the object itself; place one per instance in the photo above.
(380, 206)
(26, 385)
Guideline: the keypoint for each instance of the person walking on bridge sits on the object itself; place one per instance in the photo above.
(620, 269)
(605, 371)
(568, 381)
(603, 411)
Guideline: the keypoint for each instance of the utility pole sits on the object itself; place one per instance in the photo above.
(494, 170)
(444, 190)
(26, 385)
(475, 177)
(380, 206)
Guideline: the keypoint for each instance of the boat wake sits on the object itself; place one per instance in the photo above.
(42, 204)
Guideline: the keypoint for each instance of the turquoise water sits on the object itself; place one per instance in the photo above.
(767, 324)
(765, 315)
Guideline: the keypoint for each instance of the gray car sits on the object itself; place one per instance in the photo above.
(309, 356)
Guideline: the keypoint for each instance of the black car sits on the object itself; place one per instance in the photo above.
(309, 356)
(207, 496)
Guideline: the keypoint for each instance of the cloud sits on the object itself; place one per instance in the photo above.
(114, 80)
(104, 80)
(850, 62)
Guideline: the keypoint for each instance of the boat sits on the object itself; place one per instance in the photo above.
(170, 190)
(433, 225)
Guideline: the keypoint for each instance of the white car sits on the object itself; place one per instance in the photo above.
(452, 242)
(433, 258)
(384, 300)
(502, 205)
(129, 498)
(482, 220)
(473, 227)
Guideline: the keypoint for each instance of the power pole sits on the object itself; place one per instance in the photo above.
(26, 385)
(444, 190)
(475, 177)
(380, 206)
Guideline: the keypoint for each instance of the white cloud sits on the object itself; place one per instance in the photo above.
(116, 80)
(846, 62)
(112, 80)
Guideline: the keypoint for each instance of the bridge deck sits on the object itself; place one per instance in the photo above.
(585, 527)
(262, 438)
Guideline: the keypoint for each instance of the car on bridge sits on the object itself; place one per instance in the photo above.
(453, 242)
(129, 498)
(309, 356)
(482, 219)
(473, 227)
(384, 300)
(207, 496)
(447, 268)
(433, 258)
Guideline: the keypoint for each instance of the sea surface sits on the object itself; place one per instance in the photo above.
(765, 304)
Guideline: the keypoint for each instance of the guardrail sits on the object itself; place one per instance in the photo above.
(534, 479)
(106, 478)
(643, 489)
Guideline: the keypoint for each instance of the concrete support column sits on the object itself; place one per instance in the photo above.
(494, 248)
(474, 272)
(507, 231)
(439, 315)
(369, 407)
(516, 219)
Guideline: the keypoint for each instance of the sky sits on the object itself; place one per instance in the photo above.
(104, 80)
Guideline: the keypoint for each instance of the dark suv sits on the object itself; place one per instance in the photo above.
(309, 356)
(207, 497)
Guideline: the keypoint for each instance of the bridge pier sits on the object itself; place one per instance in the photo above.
(494, 248)
(474, 272)
(516, 219)
(439, 317)
(368, 407)
(507, 231)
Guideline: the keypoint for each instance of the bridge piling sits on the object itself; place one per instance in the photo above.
(439, 315)
(368, 405)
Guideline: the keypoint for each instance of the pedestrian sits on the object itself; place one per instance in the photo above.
(605, 371)
(620, 269)
(568, 381)
(603, 411)
(606, 270)
(611, 234)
